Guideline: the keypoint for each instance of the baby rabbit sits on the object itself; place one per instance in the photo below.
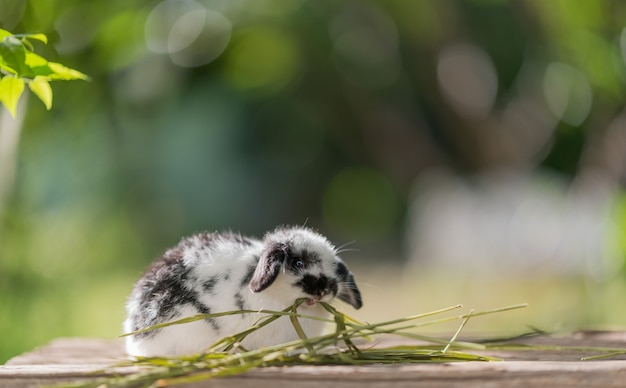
(216, 272)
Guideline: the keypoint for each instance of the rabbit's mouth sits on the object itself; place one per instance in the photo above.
(310, 302)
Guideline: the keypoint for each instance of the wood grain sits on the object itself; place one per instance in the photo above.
(73, 359)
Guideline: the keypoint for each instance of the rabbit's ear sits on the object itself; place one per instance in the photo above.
(348, 291)
(268, 267)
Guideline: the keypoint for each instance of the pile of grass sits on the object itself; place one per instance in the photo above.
(227, 357)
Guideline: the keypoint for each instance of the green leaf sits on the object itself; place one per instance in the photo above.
(37, 65)
(13, 56)
(41, 88)
(11, 89)
(4, 34)
(16, 58)
(40, 37)
(28, 38)
(64, 73)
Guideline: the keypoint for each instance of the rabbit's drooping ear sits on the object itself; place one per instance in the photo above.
(268, 267)
(348, 291)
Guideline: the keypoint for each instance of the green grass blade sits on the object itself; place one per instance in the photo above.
(456, 334)
(227, 357)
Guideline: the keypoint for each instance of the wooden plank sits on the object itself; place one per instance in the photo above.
(73, 359)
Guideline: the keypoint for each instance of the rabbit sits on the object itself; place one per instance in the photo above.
(217, 272)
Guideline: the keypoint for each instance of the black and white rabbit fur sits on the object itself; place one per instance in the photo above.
(216, 272)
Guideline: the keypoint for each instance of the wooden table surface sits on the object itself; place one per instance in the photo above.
(73, 359)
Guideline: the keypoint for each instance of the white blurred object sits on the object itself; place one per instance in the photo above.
(10, 130)
(512, 223)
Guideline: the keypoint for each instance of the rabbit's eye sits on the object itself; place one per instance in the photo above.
(297, 263)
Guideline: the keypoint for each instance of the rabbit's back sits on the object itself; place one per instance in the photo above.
(203, 274)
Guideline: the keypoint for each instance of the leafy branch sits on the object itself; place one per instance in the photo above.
(21, 66)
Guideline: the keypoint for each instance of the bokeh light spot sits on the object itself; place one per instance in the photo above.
(264, 59)
(185, 30)
(161, 21)
(121, 40)
(209, 43)
(568, 93)
(76, 28)
(191, 34)
(468, 79)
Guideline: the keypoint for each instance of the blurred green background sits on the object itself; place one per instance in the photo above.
(469, 151)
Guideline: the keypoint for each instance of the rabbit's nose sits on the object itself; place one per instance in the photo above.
(318, 286)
